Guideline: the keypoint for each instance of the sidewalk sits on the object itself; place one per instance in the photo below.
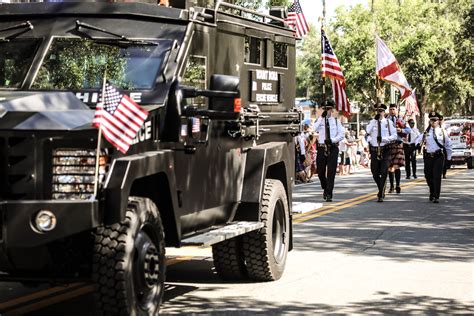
(308, 196)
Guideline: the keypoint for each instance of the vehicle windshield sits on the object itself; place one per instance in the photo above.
(76, 64)
(16, 57)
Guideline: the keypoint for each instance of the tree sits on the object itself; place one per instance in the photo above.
(431, 40)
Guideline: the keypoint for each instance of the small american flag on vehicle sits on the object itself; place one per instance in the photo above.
(119, 118)
(296, 20)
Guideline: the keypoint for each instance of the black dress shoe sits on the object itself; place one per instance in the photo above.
(398, 190)
(414, 176)
(436, 200)
(408, 177)
(391, 190)
(431, 198)
(329, 198)
(380, 200)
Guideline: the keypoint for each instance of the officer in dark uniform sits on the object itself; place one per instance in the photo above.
(437, 147)
(331, 132)
(409, 148)
(382, 132)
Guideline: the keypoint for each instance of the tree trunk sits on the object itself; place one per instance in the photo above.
(423, 109)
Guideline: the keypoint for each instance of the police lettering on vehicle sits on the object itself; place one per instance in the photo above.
(265, 86)
(144, 134)
(93, 97)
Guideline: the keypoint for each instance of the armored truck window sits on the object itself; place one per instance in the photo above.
(73, 63)
(195, 76)
(16, 57)
(253, 49)
(280, 56)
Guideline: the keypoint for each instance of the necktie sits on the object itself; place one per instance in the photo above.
(379, 129)
(328, 131)
(409, 138)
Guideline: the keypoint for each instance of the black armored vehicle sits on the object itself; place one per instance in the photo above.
(212, 165)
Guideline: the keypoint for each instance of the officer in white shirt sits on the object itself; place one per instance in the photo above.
(382, 133)
(331, 132)
(437, 146)
(409, 147)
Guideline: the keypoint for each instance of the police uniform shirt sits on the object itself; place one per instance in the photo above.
(388, 132)
(430, 143)
(412, 136)
(405, 130)
(336, 130)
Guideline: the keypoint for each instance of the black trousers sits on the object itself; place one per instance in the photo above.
(433, 170)
(327, 166)
(379, 168)
(410, 159)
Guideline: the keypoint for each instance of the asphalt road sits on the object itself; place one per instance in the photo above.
(352, 256)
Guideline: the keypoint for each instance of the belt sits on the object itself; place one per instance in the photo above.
(374, 149)
(324, 146)
(434, 154)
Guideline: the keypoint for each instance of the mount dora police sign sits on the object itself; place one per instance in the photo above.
(265, 86)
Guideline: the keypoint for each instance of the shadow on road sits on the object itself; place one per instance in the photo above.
(405, 227)
(405, 304)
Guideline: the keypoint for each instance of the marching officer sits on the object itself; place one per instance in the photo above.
(382, 132)
(437, 149)
(397, 156)
(331, 132)
(409, 147)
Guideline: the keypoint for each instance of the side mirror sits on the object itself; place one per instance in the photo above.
(225, 84)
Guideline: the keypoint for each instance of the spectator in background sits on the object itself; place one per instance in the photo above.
(363, 148)
(349, 151)
(164, 3)
(342, 156)
(300, 152)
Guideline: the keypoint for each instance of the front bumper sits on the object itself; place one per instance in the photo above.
(16, 219)
(459, 159)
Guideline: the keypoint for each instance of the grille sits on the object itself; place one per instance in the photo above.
(17, 164)
(73, 174)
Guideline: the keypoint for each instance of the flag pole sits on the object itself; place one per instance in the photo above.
(99, 139)
(322, 49)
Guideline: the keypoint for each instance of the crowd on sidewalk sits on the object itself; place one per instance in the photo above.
(353, 153)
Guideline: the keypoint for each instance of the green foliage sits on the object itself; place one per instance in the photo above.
(432, 42)
(255, 5)
(76, 64)
(279, 3)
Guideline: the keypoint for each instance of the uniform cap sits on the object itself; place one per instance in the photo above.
(328, 104)
(381, 106)
(434, 114)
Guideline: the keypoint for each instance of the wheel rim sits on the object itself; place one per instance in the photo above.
(146, 270)
(279, 231)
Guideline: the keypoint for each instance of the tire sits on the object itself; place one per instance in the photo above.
(129, 262)
(469, 164)
(266, 249)
(229, 260)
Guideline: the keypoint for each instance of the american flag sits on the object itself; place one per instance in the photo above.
(119, 118)
(330, 68)
(412, 105)
(296, 20)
